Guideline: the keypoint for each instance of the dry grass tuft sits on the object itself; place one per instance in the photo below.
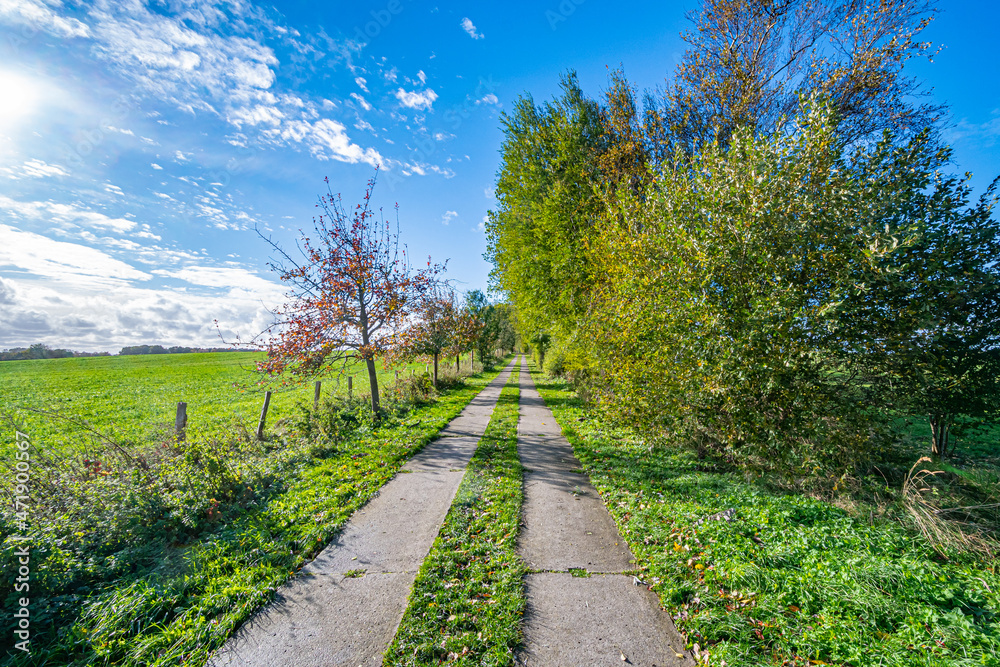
(942, 527)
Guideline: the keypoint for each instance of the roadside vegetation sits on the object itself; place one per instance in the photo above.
(467, 601)
(770, 314)
(771, 267)
(152, 556)
(754, 573)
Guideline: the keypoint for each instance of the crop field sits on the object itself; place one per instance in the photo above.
(133, 399)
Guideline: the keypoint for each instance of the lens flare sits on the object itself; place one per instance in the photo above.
(18, 99)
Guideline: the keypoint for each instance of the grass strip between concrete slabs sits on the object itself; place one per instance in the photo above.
(467, 600)
(757, 577)
(180, 611)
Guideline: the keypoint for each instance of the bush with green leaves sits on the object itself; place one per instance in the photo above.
(721, 309)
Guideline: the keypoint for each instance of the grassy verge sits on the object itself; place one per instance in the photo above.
(155, 600)
(754, 576)
(467, 600)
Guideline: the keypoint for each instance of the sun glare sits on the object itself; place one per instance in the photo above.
(18, 98)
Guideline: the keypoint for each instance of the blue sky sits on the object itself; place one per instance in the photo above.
(142, 142)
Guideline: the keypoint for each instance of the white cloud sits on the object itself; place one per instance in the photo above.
(35, 169)
(256, 115)
(470, 28)
(113, 189)
(362, 101)
(415, 100)
(422, 76)
(422, 169)
(8, 295)
(985, 133)
(204, 58)
(50, 211)
(448, 217)
(441, 136)
(364, 125)
(35, 14)
(63, 262)
(489, 99)
(230, 278)
(98, 318)
(155, 166)
(327, 140)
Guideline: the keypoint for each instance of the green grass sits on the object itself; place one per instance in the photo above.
(467, 600)
(790, 580)
(134, 398)
(154, 600)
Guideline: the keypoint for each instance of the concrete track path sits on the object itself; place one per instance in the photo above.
(595, 620)
(323, 617)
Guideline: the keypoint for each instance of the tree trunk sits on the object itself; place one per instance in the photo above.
(373, 382)
(458, 364)
(472, 360)
(435, 371)
(940, 434)
(370, 363)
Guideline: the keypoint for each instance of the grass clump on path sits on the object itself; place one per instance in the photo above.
(754, 576)
(158, 598)
(467, 600)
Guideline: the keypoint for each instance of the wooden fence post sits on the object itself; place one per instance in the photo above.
(180, 423)
(263, 416)
(350, 387)
(316, 396)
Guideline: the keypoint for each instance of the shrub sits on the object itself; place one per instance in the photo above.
(718, 312)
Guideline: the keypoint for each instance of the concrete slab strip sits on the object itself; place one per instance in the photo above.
(596, 621)
(323, 617)
(571, 620)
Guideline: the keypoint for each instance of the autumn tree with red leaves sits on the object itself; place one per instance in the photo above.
(433, 328)
(350, 293)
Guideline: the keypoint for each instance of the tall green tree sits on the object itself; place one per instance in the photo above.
(537, 238)
(928, 324)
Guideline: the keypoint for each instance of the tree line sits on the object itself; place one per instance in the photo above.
(41, 351)
(173, 349)
(767, 260)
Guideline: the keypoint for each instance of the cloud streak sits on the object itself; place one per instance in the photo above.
(469, 27)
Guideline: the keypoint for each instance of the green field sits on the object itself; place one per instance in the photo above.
(133, 399)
